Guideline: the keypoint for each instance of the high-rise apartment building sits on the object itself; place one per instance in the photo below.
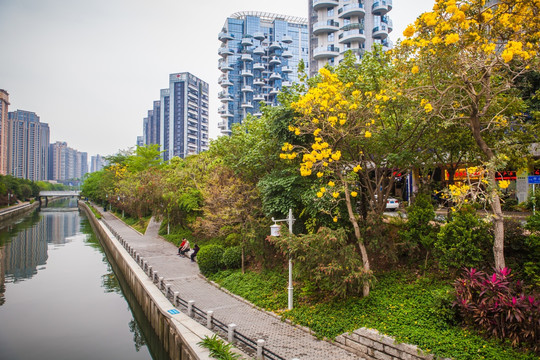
(66, 163)
(152, 127)
(184, 116)
(337, 26)
(4, 104)
(28, 146)
(96, 163)
(260, 53)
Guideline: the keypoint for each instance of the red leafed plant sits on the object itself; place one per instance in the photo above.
(498, 306)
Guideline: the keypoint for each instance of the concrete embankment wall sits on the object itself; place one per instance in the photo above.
(178, 333)
(18, 211)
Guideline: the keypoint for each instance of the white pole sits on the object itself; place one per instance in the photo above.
(290, 288)
(534, 201)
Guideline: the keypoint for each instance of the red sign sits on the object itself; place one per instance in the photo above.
(506, 175)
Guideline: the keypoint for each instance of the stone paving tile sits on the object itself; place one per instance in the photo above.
(281, 338)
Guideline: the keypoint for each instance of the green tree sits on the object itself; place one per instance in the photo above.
(464, 58)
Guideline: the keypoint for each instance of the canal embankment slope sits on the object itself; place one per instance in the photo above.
(182, 277)
(178, 333)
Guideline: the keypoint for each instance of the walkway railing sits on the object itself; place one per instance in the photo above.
(205, 318)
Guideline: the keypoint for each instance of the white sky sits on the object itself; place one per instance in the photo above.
(91, 69)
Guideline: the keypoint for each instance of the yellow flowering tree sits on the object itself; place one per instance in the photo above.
(466, 56)
(362, 131)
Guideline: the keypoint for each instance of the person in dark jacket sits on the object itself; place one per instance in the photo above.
(194, 253)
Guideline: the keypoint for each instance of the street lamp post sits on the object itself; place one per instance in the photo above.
(10, 195)
(122, 206)
(274, 231)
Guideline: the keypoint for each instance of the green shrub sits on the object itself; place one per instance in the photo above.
(464, 241)
(509, 204)
(209, 259)
(420, 232)
(232, 257)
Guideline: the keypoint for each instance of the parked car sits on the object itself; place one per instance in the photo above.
(392, 204)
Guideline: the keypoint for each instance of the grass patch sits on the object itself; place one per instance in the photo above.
(96, 213)
(139, 224)
(411, 309)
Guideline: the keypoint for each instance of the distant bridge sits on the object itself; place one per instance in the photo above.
(47, 194)
(60, 193)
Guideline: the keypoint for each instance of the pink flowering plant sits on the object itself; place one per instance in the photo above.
(499, 307)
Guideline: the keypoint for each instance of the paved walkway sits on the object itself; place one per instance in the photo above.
(282, 339)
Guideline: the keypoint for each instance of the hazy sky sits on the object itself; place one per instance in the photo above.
(92, 68)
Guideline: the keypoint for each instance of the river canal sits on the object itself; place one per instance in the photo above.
(60, 298)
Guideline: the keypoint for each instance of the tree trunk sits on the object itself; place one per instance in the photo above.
(358, 235)
(243, 269)
(498, 221)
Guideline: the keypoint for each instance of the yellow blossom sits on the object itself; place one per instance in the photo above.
(331, 184)
(319, 194)
(409, 31)
(335, 219)
(335, 194)
(415, 69)
(504, 184)
(367, 134)
(354, 193)
(451, 39)
(319, 174)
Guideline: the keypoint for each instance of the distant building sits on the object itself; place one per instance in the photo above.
(151, 125)
(140, 140)
(338, 26)
(184, 116)
(66, 163)
(28, 146)
(260, 53)
(97, 163)
(4, 105)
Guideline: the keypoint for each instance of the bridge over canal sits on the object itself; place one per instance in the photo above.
(57, 193)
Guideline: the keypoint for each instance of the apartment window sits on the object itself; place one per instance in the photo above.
(331, 37)
(330, 12)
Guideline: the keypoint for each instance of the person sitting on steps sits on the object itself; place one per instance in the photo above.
(181, 246)
(194, 253)
(185, 248)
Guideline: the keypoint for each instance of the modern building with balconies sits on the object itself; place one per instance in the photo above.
(339, 26)
(183, 116)
(260, 53)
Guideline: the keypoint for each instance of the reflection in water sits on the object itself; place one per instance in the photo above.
(74, 318)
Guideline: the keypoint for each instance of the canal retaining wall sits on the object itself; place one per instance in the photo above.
(19, 211)
(178, 333)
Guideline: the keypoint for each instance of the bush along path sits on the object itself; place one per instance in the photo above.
(285, 340)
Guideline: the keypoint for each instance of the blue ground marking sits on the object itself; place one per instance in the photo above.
(173, 311)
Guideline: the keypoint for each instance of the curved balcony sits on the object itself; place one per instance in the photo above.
(352, 10)
(257, 114)
(286, 69)
(247, 88)
(225, 36)
(258, 51)
(224, 113)
(287, 39)
(327, 26)
(275, 76)
(325, 52)
(225, 51)
(225, 66)
(274, 91)
(258, 81)
(287, 54)
(222, 125)
(225, 99)
(247, 105)
(274, 46)
(246, 73)
(258, 66)
(388, 23)
(286, 83)
(275, 60)
(358, 52)
(247, 41)
(246, 57)
(258, 97)
(224, 82)
(380, 32)
(380, 7)
(355, 35)
(319, 4)
(259, 35)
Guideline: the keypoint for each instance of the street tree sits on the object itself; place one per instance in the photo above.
(362, 131)
(464, 59)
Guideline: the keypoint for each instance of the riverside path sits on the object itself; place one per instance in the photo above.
(281, 338)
